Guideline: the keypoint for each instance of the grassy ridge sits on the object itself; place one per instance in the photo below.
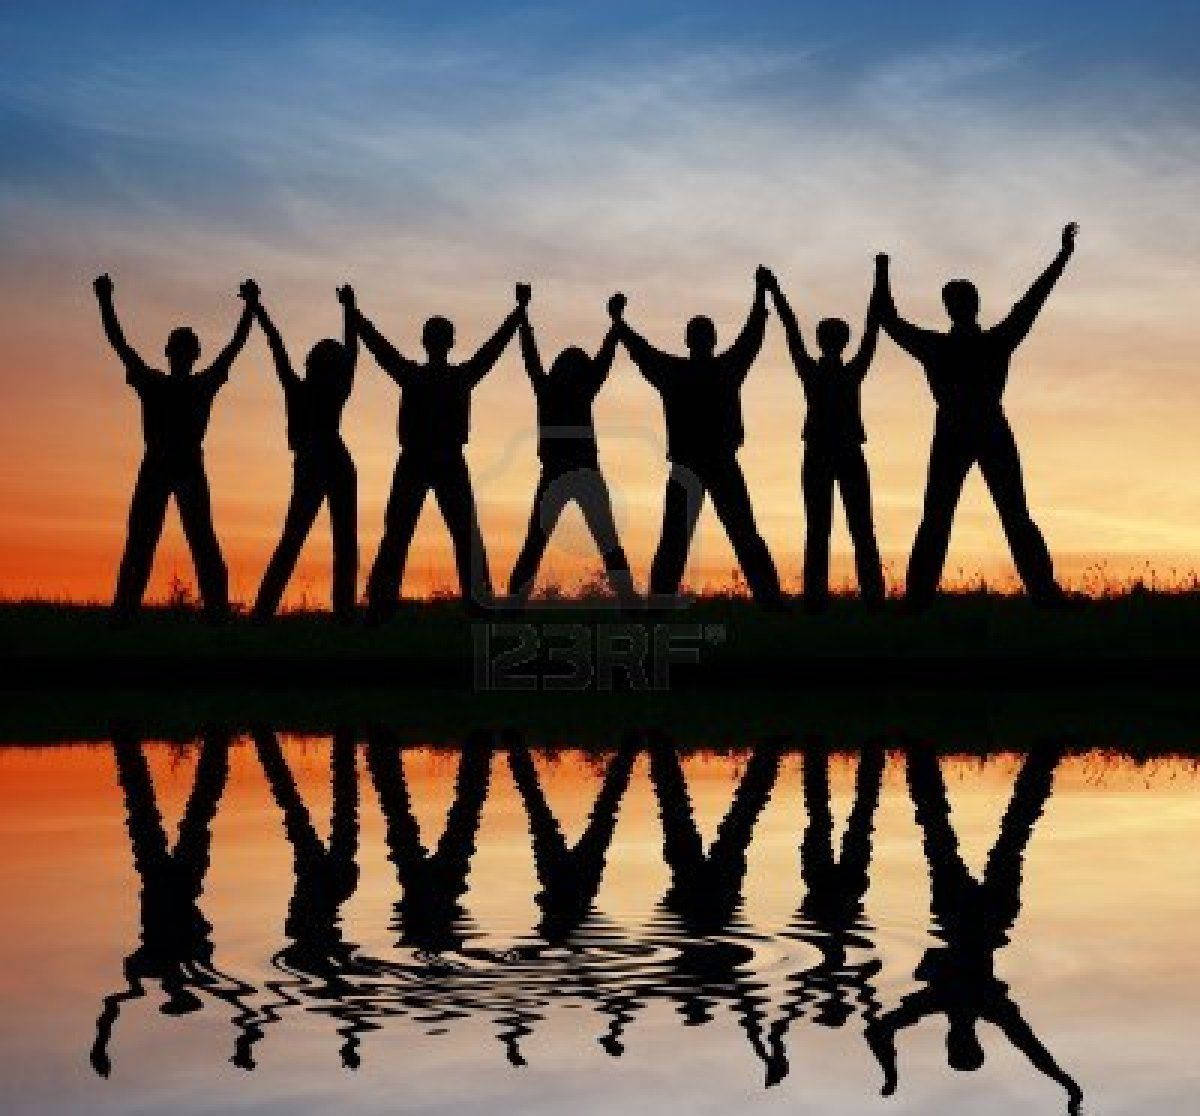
(974, 636)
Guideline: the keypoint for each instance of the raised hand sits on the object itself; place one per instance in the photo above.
(524, 293)
(103, 285)
(249, 291)
(1068, 236)
(345, 295)
(616, 306)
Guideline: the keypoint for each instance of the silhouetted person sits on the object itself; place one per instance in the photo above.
(830, 918)
(701, 395)
(833, 437)
(973, 918)
(326, 877)
(434, 425)
(570, 465)
(175, 413)
(569, 875)
(321, 465)
(429, 916)
(176, 947)
(967, 370)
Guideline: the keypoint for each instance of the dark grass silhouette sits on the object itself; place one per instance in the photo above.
(1124, 640)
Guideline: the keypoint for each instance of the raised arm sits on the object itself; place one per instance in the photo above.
(489, 352)
(801, 359)
(1009, 1019)
(283, 365)
(218, 371)
(1015, 328)
(345, 295)
(602, 362)
(917, 342)
(530, 354)
(742, 353)
(386, 355)
(135, 368)
(860, 364)
(655, 365)
(881, 1033)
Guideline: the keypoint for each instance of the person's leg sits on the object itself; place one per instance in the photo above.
(547, 507)
(195, 513)
(855, 482)
(950, 459)
(147, 512)
(410, 483)
(1000, 463)
(816, 483)
(731, 500)
(591, 493)
(452, 490)
(308, 490)
(681, 508)
(343, 523)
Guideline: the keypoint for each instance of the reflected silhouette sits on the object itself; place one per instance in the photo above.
(699, 954)
(176, 949)
(318, 958)
(429, 916)
(972, 917)
(700, 919)
(830, 918)
(569, 876)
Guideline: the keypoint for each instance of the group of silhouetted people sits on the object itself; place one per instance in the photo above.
(966, 367)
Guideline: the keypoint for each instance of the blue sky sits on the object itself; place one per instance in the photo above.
(434, 153)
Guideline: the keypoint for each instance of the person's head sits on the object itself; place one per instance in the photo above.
(182, 349)
(833, 335)
(326, 360)
(701, 336)
(570, 363)
(961, 300)
(438, 337)
(963, 1051)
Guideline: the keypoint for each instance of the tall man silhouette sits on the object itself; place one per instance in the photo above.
(833, 437)
(701, 396)
(570, 464)
(434, 425)
(175, 412)
(967, 370)
(321, 468)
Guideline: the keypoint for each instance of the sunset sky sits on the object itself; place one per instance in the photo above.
(433, 154)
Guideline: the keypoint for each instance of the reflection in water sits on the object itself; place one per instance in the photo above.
(972, 918)
(176, 944)
(697, 955)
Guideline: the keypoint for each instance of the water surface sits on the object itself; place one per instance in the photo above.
(265, 922)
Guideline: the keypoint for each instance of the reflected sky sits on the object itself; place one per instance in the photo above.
(263, 921)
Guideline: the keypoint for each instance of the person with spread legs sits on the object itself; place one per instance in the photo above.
(433, 427)
(322, 468)
(967, 370)
(833, 439)
(176, 406)
(701, 396)
(570, 464)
